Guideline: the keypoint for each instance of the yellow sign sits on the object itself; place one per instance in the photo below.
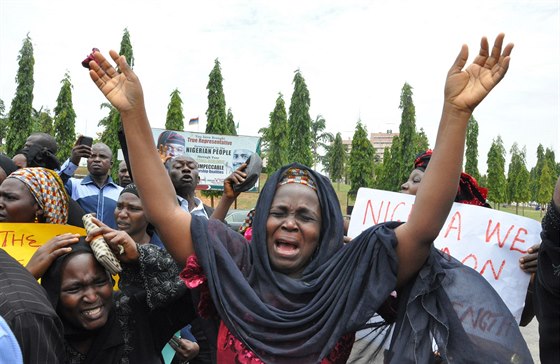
(22, 240)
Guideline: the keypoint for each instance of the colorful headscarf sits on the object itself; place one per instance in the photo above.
(468, 192)
(422, 160)
(48, 190)
(297, 175)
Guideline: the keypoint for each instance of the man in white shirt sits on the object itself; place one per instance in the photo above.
(183, 171)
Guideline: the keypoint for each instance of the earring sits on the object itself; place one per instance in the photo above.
(36, 219)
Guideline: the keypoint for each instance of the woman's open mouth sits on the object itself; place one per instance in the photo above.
(93, 313)
(286, 248)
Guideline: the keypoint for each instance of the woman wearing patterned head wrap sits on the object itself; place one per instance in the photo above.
(468, 192)
(297, 293)
(37, 195)
(39, 187)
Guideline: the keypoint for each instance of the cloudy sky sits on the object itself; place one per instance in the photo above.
(354, 55)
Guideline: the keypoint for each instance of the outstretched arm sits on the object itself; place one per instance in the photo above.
(464, 90)
(159, 200)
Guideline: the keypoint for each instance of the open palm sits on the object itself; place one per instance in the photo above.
(465, 89)
(122, 89)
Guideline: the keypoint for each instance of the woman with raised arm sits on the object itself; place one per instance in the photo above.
(297, 293)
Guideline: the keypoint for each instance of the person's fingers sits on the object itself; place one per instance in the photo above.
(101, 230)
(121, 63)
(240, 174)
(496, 50)
(460, 61)
(530, 263)
(60, 252)
(528, 258)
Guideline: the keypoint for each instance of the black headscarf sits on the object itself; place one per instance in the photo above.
(52, 279)
(52, 282)
(284, 319)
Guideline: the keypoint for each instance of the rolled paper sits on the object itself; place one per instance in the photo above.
(101, 249)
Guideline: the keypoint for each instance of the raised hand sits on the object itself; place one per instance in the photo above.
(236, 177)
(122, 89)
(46, 254)
(465, 89)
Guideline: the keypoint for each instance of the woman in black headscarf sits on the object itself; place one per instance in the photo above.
(102, 326)
(296, 293)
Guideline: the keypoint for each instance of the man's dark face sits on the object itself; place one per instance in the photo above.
(124, 177)
(100, 161)
(184, 173)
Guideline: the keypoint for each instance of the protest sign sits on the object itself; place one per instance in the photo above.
(489, 241)
(217, 155)
(21, 240)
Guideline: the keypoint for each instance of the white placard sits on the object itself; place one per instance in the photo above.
(489, 241)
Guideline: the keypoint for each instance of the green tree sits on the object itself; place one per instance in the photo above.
(516, 184)
(336, 159)
(536, 172)
(524, 192)
(319, 138)
(407, 136)
(383, 178)
(404, 148)
(230, 123)
(299, 124)
(175, 118)
(126, 48)
(471, 164)
(422, 143)
(112, 123)
(550, 159)
(546, 185)
(497, 184)
(275, 137)
(19, 125)
(216, 114)
(43, 121)
(483, 180)
(216, 117)
(64, 120)
(3, 124)
(361, 160)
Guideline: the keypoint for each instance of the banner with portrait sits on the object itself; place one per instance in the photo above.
(217, 155)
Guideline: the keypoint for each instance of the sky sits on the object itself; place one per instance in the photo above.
(355, 57)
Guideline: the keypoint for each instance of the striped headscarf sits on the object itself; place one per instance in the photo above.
(298, 175)
(48, 190)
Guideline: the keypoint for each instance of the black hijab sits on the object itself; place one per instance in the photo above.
(52, 282)
(52, 279)
(283, 319)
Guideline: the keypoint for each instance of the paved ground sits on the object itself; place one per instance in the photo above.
(531, 335)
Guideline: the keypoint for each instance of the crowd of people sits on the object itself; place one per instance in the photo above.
(288, 288)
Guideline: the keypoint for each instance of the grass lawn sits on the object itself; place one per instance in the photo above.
(248, 200)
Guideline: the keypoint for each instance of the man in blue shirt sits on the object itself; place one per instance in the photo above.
(97, 192)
